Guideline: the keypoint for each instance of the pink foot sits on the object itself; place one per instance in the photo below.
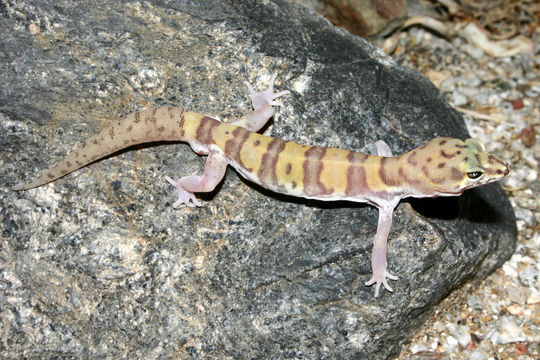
(259, 98)
(381, 279)
(184, 197)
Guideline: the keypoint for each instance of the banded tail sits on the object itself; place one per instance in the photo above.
(157, 124)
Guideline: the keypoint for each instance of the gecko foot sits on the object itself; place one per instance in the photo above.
(259, 98)
(184, 197)
(381, 279)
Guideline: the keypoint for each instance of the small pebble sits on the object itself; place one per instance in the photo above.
(517, 104)
(518, 294)
(534, 298)
(515, 310)
(525, 215)
(458, 99)
(450, 344)
(474, 302)
(528, 276)
(416, 348)
(461, 333)
(535, 186)
(478, 354)
(528, 136)
(507, 331)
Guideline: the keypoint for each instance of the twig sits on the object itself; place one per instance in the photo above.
(479, 115)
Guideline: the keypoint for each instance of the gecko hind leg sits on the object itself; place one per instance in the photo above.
(214, 171)
(262, 102)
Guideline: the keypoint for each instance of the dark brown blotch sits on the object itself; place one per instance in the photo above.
(356, 175)
(455, 174)
(181, 124)
(267, 173)
(313, 167)
(382, 174)
(411, 158)
(234, 145)
(446, 156)
(203, 133)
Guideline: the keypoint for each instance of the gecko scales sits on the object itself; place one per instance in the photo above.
(442, 167)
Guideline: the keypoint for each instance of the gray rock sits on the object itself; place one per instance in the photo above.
(99, 264)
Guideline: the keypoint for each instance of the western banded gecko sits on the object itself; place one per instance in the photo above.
(443, 167)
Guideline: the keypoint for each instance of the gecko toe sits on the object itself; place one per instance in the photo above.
(386, 286)
(379, 280)
(184, 197)
(391, 276)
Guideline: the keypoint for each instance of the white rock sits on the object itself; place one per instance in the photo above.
(528, 276)
(451, 344)
(534, 298)
(461, 333)
(478, 354)
(524, 214)
(416, 348)
(507, 331)
(458, 99)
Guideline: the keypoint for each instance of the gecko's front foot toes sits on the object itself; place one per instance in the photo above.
(258, 98)
(381, 279)
(184, 197)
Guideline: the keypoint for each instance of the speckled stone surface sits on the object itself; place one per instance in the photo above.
(99, 264)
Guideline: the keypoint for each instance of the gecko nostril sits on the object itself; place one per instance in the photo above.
(503, 172)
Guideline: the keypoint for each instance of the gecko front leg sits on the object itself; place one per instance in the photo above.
(262, 102)
(378, 255)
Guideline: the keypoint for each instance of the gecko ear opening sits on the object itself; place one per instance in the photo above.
(474, 145)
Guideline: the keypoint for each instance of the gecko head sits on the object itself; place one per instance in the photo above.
(449, 166)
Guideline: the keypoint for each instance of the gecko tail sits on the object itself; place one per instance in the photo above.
(157, 124)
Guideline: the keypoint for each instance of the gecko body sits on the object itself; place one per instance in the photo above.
(442, 167)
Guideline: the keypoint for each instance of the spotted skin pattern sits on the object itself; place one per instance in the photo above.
(442, 167)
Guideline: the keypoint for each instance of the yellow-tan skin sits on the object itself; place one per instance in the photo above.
(443, 167)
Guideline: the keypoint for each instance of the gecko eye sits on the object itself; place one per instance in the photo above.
(474, 174)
